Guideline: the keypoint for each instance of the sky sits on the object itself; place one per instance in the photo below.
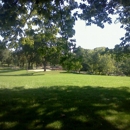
(90, 37)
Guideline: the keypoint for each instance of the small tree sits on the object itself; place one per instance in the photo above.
(77, 66)
(70, 63)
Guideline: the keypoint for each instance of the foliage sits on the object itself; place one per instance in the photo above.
(97, 61)
(125, 66)
(5, 56)
(15, 14)
(41, 31)
(121, 51)
(70, 62)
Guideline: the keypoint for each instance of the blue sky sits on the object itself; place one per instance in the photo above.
(90, 37)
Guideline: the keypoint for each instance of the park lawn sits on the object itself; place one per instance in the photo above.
(63, 101)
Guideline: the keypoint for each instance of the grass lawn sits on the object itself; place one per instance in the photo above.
(63, 101)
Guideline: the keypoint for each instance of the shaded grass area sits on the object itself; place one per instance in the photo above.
(65, 108)
(62, 101)
(14, 72)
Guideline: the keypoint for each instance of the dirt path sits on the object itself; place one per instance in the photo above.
(38, 70)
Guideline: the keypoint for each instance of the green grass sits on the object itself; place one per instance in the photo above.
(63, 101)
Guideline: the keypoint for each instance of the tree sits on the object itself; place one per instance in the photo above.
(9, 60)
(70, 62)
(27, 46)
(46, 44)
(121, 54)
(54, 17)
(5, 56)
(106, 65)
(96, 61)
(120, 51)
(16, 13)
(125, 66)
(77, 66)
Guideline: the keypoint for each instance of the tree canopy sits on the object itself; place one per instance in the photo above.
(16, 14)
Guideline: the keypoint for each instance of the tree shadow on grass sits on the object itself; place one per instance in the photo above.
(24, 74)
(66, 72)
(8, 70)
(65, 108)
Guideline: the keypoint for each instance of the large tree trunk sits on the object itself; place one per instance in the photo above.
(44, 64)
(23, 64)
(29, 65)
(36, 65)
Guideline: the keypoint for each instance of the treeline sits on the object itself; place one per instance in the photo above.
(102, 61)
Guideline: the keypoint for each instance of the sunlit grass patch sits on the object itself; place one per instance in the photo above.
(81, 118)
(8, 125)
(55, 125)
(119, 119)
